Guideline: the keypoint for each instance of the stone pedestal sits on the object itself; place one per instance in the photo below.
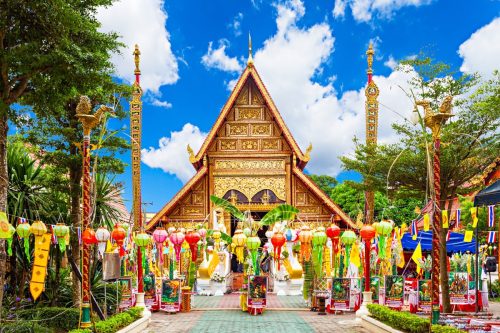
(139, 302)
(363, 310)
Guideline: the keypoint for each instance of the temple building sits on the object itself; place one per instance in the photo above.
(251, 159)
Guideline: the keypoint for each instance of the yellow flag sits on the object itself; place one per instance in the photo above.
(400, 259)
(468, 236)
(473, 214)
(414, 237)
(417, 254)
(355, 255)
(426, 222)
(444, 218)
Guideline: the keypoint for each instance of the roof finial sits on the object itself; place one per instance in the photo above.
(136, 54)
(250, 58)
(369, 58)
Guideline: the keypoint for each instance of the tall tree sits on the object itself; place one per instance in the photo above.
(470, 141)
(49, 53)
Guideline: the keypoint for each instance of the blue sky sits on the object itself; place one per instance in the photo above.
(310, 54)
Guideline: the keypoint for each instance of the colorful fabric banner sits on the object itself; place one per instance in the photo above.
(468, 236)
(492, 236)
(473, 214)
(458, 215)
(414, 230)
(426, 222)
(448, 234)
(416, 256)
(491, 216)
(444, 218)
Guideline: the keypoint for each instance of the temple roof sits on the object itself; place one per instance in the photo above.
(251, 71)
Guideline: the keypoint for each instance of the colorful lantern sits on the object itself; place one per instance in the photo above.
(23, 231)
(305, 238)
(142, 240)
(239, 241)
(88, 236)
(171, 230)
(318, 243)
(253, 244)
(269, 234)
(38, 228)
(102, 235)
(118, 235)
(247, 232)
(61, 231)
(6, 232)
(290, 235)
(348, 238)
(367, 232)
(193, 238)
(177, 238)
(202, 232)
(333, 232)
(278, 240)
(216, 235)
(383, 229)
(160, 235)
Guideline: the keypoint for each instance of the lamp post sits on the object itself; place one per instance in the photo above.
(435, 121)
(89, 122)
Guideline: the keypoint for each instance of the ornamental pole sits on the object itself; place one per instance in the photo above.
(89, 121)
(435, 121)
(136, 130)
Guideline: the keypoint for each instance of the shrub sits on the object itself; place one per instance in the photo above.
(405, 321)
(52, 317)
(114, 323)
(24, 327)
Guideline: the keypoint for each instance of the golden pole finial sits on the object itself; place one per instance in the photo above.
(250, 58)
(136, 54)
(369, 59)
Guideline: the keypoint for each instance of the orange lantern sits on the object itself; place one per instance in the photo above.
(118, 235)
(305, 238)
(278, 240)
(88, 236)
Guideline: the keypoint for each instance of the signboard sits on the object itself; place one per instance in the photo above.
(341, 294)
(394, 291)
(424, 295)
(459, 287)
(125, 286)
(257, 291)
(170, 295)
(374, 287)
(150, 299)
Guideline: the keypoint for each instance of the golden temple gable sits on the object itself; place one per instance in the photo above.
(251, 159)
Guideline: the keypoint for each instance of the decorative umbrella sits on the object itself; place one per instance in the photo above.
(23, 231)
(61, 231)
(103, 235)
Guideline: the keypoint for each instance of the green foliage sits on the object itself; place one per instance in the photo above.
(326, 183)
(114, 323)
(24, 327)
(280, 213)
(226, 205)
(52, 317)
(406, 321)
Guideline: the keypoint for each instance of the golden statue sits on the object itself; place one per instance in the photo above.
(192, 157)
(435, 120)
(88, 120)
(136, 54)
(307, 155)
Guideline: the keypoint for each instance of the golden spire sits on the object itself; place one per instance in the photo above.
(369, 58)
(250, 58)
(136, 54)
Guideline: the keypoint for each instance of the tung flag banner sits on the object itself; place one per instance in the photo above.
(416, 256)
(468, 236)
(492, 236)
(448, 235)
(458, 214)
(473, 214)
(444, 218)
(427, 222)
(491, 216)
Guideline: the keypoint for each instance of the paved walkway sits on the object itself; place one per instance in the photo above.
(232, 301)
(234, 321)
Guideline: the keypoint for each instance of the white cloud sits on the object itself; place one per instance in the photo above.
(142, 22)
(217, 58)
(171, 155)
(235, 25)
(481, 52)
(391, 63)
(162, 104)
(363, 10)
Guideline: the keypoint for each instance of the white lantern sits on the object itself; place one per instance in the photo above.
(170, 230)
(102, 235)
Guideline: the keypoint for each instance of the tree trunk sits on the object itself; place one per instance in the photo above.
(4, 183)
(75, 194)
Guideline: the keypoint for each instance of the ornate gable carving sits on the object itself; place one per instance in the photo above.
(193, 204)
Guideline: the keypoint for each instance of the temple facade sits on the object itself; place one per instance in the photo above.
(251, 159)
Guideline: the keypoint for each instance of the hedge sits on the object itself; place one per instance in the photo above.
(406, 322)
(114, 323)
(24, 327)
(52, 317)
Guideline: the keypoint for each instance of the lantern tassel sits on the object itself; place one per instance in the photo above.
(27, 248)
(193, 248)
(278, 257)
(62, 244)
(239, 254)
(256, 267)
(177, 252)
(121, 251)
(101, 247)
(160, 253)
(9, 246)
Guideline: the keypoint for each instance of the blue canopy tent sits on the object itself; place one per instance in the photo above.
(455, 244)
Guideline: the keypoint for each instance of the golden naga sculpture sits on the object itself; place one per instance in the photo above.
(435, 120)
(192, 157)
(307, 155)
(89, 120)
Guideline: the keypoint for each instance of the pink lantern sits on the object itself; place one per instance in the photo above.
(159, 236)
(177, 238)
(171, 230)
